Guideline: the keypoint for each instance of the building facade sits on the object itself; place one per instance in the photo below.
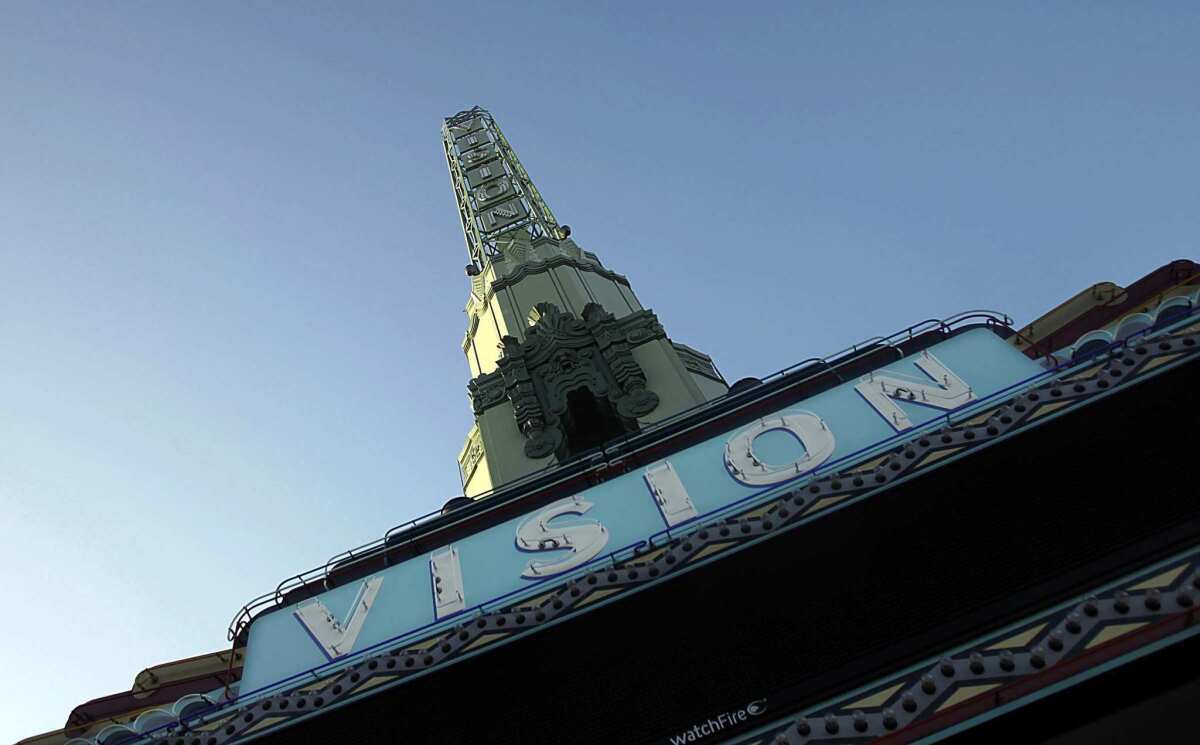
(964, 530)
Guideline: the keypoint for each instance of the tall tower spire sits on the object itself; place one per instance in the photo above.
(494, 192)
(563, 356)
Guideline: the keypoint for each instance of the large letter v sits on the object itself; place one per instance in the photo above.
(333, 637)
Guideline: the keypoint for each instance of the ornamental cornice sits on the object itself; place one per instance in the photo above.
(472, 454)
(488, 390)
(697, 362)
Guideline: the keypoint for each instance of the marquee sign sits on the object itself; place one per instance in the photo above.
(785, 446)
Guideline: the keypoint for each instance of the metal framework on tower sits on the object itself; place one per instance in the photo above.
(494, 192)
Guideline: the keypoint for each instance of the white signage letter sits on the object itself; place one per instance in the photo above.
(748, 468)
(445, 573)
(583, 540)
(883, 389)
(669, 494)
(336, 638)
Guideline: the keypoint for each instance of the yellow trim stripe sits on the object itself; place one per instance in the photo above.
(1160, 581)
(879, 698)
(1108, 633)
(827, 502)
(1159, 362)
(598, 595)
(710, 550)
(482, 641)
(936, 456)
(1020, 639)
(1049, 409)
(966, 692)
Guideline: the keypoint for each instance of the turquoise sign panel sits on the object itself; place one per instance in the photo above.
(555, 540)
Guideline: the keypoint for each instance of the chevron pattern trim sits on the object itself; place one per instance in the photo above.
(996, 665)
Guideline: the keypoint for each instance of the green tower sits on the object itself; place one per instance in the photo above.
(563, 356)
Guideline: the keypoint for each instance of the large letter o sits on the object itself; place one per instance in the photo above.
(747, 468)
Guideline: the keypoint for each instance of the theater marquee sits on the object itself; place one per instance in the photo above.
(786, 446)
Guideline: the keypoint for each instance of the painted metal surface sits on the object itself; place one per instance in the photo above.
(512, 556)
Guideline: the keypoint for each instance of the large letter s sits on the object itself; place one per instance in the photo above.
(584, 540)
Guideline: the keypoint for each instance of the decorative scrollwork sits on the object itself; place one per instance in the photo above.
(562, 354)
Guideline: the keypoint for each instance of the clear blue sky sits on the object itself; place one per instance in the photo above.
(231, 281)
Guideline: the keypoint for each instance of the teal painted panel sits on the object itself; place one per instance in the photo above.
(493, 564)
